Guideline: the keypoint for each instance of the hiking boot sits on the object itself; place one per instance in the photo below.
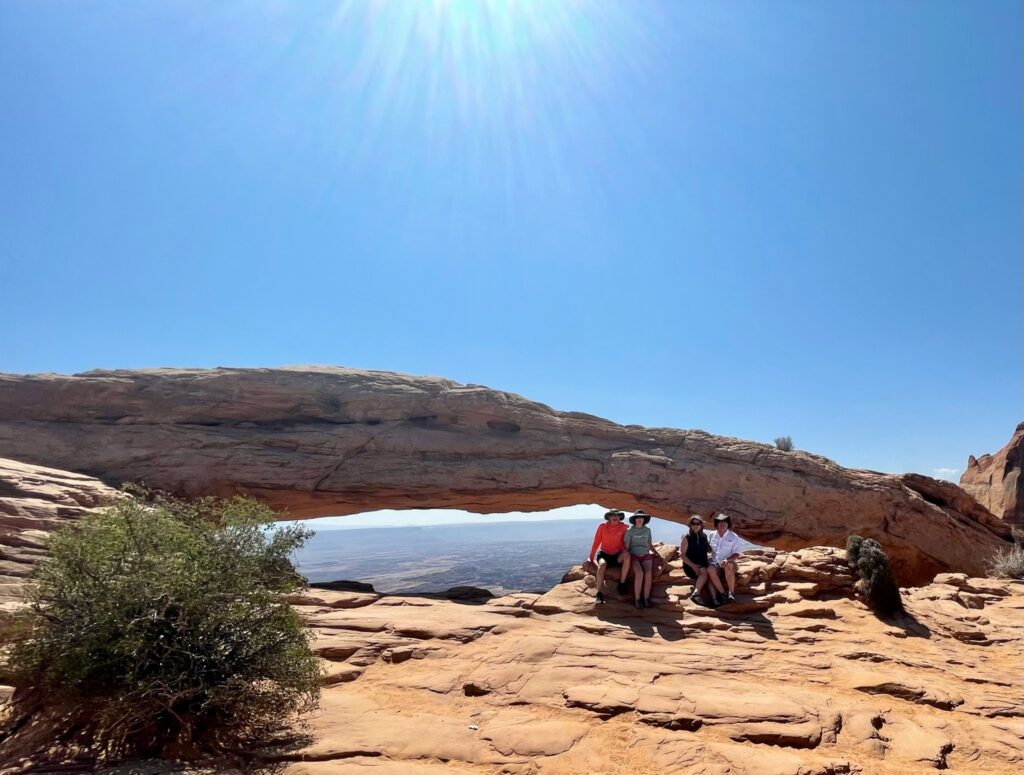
(731, 598)
(638, 603)
(696, 598)
(600, 597)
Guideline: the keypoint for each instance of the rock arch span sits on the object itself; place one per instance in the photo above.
(316, 441)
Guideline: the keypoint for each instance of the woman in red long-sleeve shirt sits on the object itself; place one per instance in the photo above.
(608, 547)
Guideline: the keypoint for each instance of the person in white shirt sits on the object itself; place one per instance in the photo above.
(725, 548)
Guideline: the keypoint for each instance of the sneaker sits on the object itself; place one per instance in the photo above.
(600, 597)
(648, 603)
(731, 598)
(638, 604)
(695, 597)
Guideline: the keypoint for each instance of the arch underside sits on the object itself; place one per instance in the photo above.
(320, 441)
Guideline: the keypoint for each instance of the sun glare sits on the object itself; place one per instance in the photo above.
(495, 65)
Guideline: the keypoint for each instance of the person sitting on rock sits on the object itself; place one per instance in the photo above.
(725, 548)
(608, 548)
(640, 557)
(694, 549)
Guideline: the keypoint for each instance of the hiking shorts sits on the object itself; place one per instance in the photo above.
(611, 559)
(691, 572)
(646, 561)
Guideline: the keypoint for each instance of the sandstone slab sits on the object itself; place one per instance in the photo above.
(528, 684)
(33, 501)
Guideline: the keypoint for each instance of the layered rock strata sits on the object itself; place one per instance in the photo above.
(317, 441)
(797, 677)
(33, 501)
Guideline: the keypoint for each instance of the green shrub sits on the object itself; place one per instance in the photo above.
(853, 544)
(163, 627)
(785, 443)
(875, 581)
(1008, 563)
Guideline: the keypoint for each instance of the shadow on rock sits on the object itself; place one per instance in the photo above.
(910, 624)
(643, 622)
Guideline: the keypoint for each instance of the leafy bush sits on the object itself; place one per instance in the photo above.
(163, 627)
(785, 443)
(853, 545)
(875, 581)
(1008, 563)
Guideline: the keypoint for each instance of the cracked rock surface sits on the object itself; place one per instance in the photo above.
(554, 684)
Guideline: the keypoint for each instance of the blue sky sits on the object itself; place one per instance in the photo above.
(752, 218)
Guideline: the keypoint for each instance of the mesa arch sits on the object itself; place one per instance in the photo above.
(316, 441)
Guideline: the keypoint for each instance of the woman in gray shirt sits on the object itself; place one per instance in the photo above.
(638, 543)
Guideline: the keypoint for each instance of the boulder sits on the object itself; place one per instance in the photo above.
(764, 579)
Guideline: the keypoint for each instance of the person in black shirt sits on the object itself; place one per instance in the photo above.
(694, 549)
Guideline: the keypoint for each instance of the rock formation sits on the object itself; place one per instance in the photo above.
(796, 678)
(318, 441)
(995, 480)
(33, 501)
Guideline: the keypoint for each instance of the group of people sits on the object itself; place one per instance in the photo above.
(706, 556)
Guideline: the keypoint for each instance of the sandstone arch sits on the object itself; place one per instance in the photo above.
(328, 441)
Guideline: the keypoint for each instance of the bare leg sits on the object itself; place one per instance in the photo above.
(702, 577)
(716, 582)
(625, 571)
(638, 580)
(730, 576)
(602, 566)
(648, 581)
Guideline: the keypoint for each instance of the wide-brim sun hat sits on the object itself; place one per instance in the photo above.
(723, 518)
(640, 514)
(613, 513)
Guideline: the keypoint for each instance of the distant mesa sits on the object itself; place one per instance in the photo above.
(316, 441)
(995, 480)
(466, 593)
(343, 585)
